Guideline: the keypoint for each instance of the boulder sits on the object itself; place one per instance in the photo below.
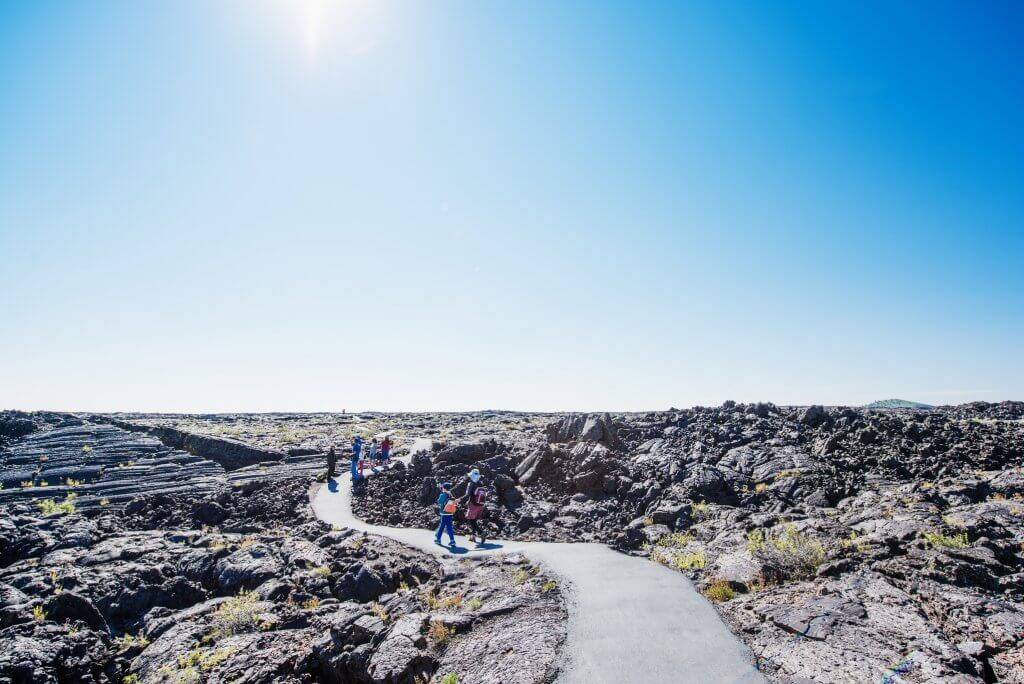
(73, 608)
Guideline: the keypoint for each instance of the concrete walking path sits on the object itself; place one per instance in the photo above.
(630, 620)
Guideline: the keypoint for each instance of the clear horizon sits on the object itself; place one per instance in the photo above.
(272, 206)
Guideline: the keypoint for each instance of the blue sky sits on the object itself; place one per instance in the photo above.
(315, 205)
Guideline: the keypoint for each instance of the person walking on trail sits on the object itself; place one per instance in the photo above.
(372, 456)
(446, 505)
(476, 495)
(357, 450)
(385, 449)
(332, 462)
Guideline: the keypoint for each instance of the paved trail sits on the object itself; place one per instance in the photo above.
(630, 620)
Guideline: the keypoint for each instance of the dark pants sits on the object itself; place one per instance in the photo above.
(331, 465)
(474, 525)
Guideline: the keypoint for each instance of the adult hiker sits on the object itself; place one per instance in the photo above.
(385, 449)
(446, 505)
(332, 462)
(357, 449)
(476, 494)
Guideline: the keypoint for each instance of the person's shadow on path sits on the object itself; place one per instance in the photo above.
(462, 550)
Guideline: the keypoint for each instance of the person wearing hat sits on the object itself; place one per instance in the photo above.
(446, 505)
(476, 494)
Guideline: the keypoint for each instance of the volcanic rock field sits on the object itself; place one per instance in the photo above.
(840, 544)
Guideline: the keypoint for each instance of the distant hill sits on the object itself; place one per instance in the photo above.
(897, 404)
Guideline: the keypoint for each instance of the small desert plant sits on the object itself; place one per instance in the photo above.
(72, 482)
(379, 611)
(235, 616)
(130, 679)
(322, 571)
(450, 678)
(38, 614)
(439, 633)
(86, 449)
(854, 542)
(719, 591)
(761, 487)
(51, 507)
(521, 577)
(690, 561)
(675, 539)
(128, 641)
(788, 554)
(436, 602)
(937, 540)
(550, 585)
(203, 660)
(700, 510)
(311, 604)
(953, 522)
(474, 604)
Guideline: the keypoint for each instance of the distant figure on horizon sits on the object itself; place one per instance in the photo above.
(332, 462)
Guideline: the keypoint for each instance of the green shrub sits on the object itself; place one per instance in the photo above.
(237, 615)
(450, 678)
(786, 554)
(719, 591)
(675, 539)
(939, 540)
(65, 507)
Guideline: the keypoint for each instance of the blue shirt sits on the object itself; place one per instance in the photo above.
(441, 501)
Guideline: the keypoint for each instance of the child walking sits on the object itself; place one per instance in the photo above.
(446, 505)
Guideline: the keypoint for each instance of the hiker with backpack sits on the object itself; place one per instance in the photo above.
(476, 494)
(446, 506)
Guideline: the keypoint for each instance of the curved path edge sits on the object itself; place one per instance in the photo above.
(630, 620)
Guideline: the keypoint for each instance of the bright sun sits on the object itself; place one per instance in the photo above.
(347, 24)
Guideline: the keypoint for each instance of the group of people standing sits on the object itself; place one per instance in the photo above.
(374, 455)
(379, 454)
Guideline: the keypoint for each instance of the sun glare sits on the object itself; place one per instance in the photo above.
(322, 25)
